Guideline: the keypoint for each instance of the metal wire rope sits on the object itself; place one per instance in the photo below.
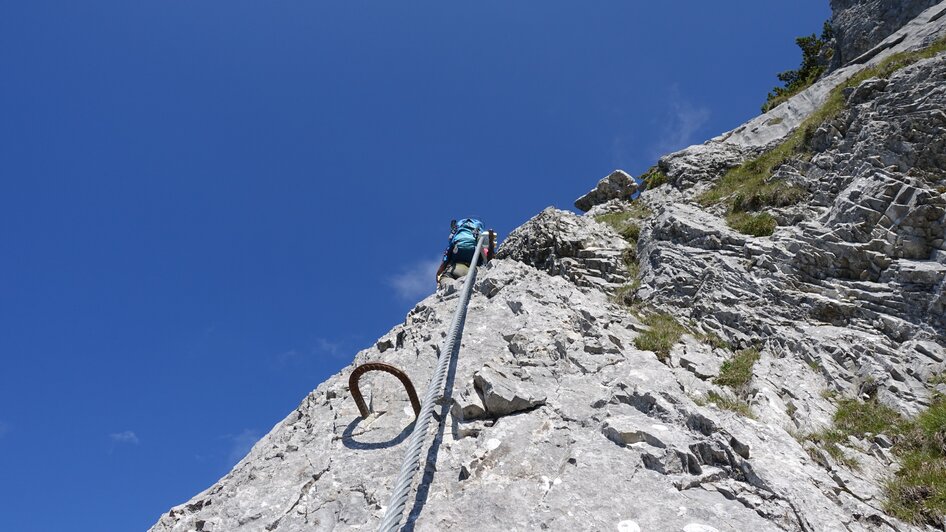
(411, 463)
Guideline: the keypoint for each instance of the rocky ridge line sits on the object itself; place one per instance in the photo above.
(555, 411)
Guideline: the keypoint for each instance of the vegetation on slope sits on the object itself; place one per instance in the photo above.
(625, 223)
(855, 418)
(662, 334)
(815, 55)
(917, 492)
(654, 177)
(737, 371)
(709, 338)
(735, 374)
(749, 187)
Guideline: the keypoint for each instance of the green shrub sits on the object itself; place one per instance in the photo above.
(654, 177)
(814, 61)
(762, 224)
(662, 334)
(737, 371)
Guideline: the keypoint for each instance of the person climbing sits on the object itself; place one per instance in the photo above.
(460, 248)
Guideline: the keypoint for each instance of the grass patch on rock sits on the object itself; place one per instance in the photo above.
(917, 493)
(761, 224)
(855, 418)
(736, 372)
(625, 294)
(728, 403)
(939, 378)
(711, 339)
(662, 334)
(625, 223)
(620, 220)
(749, 186)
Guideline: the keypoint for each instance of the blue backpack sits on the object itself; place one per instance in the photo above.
(463, 236)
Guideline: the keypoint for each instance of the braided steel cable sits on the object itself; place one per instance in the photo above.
(411, 463)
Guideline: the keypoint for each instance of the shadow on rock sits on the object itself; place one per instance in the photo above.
(348, 439)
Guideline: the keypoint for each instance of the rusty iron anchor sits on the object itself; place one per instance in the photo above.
(387, 368)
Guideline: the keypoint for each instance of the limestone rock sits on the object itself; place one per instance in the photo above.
(578, 248)
(505, 394)
(616, 185)
(860, 25)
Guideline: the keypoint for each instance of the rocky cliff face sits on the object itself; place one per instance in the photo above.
(567, 412)
(859, 25)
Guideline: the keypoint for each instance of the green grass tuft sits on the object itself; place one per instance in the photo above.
(776, 194)
(711, 339)
(917, 493)
(939, 378)
(663, 333)
(736, 405)
(762, 224)
(625, 294)
(737, 371)
(624, 222)
(857, 418)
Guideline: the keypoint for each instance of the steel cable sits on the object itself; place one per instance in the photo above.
(411, 463)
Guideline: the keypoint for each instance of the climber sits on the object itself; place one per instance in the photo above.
(641, 185)
(460, 249)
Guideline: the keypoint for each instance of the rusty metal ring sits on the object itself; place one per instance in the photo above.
(387, 368)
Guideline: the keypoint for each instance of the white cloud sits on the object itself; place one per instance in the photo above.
(684, 119)
(620, 146)
(416, 281)
(240, 445)
(332, 348)
(126, 436)
(319, 349)
(288, 357)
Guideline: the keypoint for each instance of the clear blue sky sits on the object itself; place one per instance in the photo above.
(208, 207)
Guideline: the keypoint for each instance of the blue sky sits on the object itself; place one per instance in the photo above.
(207, 208)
